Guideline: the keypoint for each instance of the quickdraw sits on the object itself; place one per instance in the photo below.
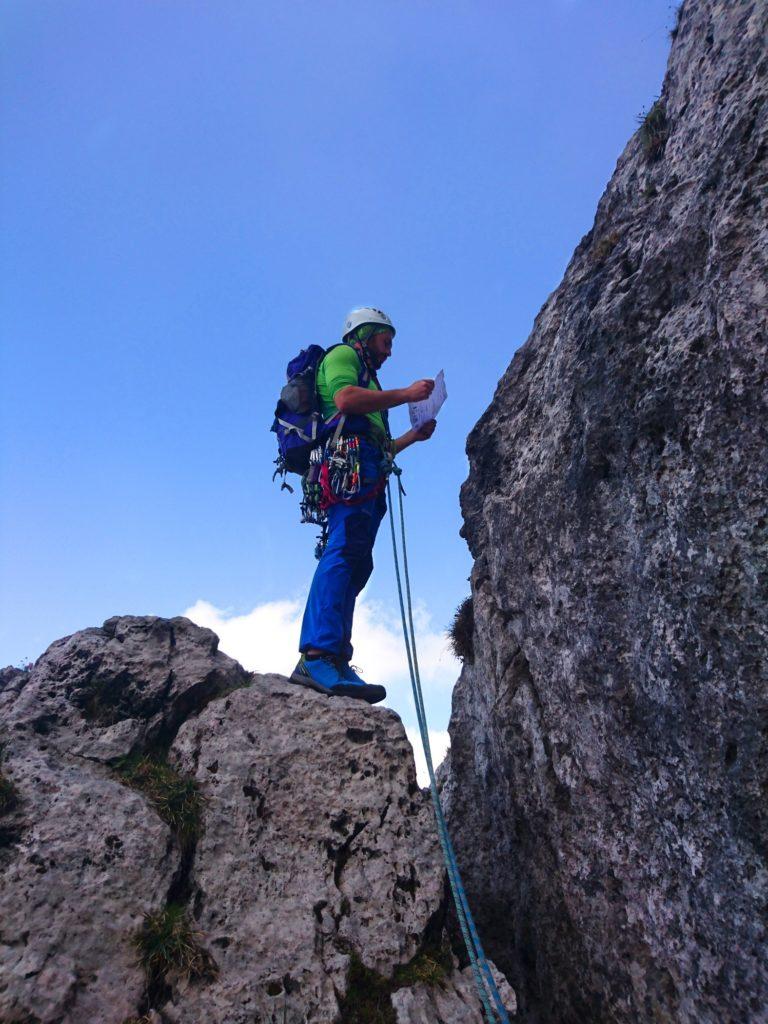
(312, 510)
(340, 475)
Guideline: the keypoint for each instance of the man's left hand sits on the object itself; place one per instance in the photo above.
(425, 431)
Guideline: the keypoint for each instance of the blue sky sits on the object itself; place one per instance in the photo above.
(191, 192)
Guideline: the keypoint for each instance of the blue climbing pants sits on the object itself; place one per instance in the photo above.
(345, 566)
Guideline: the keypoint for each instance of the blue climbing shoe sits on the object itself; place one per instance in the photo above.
(322, 674)
(347, 672)
(370, 691)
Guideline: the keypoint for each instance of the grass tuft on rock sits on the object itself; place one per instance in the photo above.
(175, 797)
(430, 967)
(461, 630)
(167, 943)
(369, 995)
(654, 131)
(678, 17)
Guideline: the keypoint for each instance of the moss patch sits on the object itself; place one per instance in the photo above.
(167, 943)
(430, 967)
(368, 999)
(9, 795)
(369, 995)
(461, 630)
(174, 796)
(105, 700)
(654, 131)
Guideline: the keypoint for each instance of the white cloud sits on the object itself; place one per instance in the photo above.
(439, 742)
(266, 640)
(262, 640)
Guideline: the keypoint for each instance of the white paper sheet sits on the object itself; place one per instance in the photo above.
(423, 412)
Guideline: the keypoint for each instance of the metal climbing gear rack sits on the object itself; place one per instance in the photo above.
(311, 507)
(487, 990)
(333, 476)
(342, 457)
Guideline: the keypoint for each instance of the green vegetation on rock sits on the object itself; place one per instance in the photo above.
(430, 967)
(167, 943)
(654, 131)
(461, 630)
(9, 795)
(369, 995)
(175, 798)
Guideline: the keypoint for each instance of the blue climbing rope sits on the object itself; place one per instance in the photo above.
(493, 1008)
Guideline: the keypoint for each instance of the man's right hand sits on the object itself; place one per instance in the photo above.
(356, 400)
(419, 390)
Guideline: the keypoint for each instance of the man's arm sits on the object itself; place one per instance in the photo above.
(355, 400)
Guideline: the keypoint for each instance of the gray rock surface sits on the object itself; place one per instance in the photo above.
(317, 843)
(314, 869)
(609, 761)
(83, 857)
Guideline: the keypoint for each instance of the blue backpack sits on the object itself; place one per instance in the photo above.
(299, 422)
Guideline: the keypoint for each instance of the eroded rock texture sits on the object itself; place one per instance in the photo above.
(311, 884)
(609, 765)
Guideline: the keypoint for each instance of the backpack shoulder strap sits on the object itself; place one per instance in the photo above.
(363, 377)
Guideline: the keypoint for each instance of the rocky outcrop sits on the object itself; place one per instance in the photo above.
(182, 841)
(609, 761)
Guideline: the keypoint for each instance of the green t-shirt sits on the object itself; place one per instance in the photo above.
(339, 369)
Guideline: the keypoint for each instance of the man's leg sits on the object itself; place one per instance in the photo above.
(375, 511)
(322, 627)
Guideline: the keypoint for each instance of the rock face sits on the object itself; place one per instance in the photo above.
(609, 762)
(265, 851)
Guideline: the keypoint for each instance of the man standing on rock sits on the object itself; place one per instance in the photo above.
(347, 562)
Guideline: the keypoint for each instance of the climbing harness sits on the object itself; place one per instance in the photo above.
(333, 477)
(487, 990)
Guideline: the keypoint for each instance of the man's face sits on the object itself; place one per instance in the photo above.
(380, 345)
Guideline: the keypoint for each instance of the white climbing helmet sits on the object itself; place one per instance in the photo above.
(365, 315)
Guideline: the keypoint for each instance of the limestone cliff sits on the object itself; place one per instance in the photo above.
(609, 764)
(182, 841)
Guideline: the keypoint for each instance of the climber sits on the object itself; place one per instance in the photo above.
(347, 563)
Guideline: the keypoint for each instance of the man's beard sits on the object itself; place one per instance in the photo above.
(372, 361)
